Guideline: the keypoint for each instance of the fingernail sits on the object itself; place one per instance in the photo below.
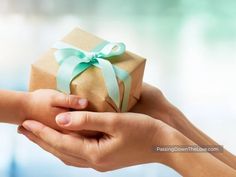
(19, 130)
(63, 119)
(82, 102)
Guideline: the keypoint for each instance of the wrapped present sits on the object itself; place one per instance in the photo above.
(85, 65)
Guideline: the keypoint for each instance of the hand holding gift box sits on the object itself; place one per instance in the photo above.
(87, 66)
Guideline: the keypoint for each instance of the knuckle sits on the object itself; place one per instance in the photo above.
(67, 100)
(75, 99)
(84, 119)
(71, 100)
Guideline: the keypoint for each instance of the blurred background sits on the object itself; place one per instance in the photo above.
(191, 50)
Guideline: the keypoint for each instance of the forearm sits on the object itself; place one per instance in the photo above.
(12, 106)
(195, 164)
(181, 123)
(154, 104)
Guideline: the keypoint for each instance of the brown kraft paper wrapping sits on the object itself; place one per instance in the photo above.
(89, 84)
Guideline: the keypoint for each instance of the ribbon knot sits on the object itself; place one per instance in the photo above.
(73, 61)
(92, 57)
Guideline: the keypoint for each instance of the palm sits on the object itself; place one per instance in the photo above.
(152, 103)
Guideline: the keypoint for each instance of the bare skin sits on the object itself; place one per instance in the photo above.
(41, 105)
(154, 103)
(128, 139)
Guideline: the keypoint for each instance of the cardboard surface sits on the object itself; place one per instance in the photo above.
(90, 84)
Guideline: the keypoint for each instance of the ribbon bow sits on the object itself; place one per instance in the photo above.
(73, 61)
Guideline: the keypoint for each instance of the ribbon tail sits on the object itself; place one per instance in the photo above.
(110, 80)
(126, 79)
(68, 70)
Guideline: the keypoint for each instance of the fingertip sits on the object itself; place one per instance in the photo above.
(76, 102)
(63, 119)
(82, 103)
(20, 129)
(69, 101)
(31, 125)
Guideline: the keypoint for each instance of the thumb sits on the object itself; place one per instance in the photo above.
(69, 101)
(102, 122)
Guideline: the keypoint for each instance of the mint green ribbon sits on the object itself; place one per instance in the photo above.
(73, 61)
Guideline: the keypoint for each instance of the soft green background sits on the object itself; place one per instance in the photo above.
(191, 50)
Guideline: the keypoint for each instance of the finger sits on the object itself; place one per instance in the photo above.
(102, 122)
(69, 101)
(67, 159)
(62, 142)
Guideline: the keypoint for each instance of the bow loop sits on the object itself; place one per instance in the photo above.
(73, 61)
(112, 49)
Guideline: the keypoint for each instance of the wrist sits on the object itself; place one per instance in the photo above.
(25, 105)
(164, 136)
(13, 107)
(179, 160)
(166, 113)
(175, 138)
(190, 163)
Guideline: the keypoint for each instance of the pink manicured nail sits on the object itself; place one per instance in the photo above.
(82, 102)
(63, 119)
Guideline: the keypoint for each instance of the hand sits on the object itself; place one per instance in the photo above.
(127, 139)
(153, 103)
(43, 105)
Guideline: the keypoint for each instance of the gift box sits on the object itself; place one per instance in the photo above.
(85, 65)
